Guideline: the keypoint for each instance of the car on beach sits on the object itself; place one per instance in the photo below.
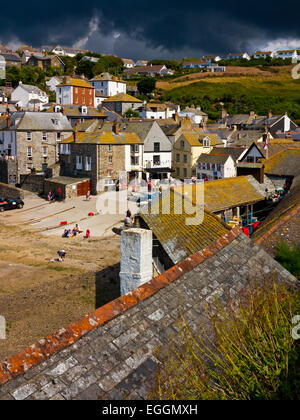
(10, 204)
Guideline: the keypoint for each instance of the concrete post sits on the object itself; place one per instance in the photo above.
(136, 259)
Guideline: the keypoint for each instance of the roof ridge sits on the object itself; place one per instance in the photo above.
(43, 349)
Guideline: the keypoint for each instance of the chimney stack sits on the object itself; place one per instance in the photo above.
(75, 133)
(115, 127)
(136, 259)
(8, 121)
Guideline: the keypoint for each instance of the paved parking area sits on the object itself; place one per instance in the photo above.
(40, 215)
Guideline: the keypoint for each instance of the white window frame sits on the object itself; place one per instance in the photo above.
(79, 162)
(29, 136)
(45, 148)
(44, 136)
(29, 151)
(88, 163)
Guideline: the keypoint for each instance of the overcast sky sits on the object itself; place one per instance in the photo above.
(153, 29)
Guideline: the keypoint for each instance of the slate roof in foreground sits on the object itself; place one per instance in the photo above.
(111, 353)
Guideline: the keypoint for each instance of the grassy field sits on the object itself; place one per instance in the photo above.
(240, 90)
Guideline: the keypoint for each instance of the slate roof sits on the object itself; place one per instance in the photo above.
(74, 111)
(284, 163)
(223, 194)
(11, 57)
(112, 353)
(179, 239)
(283, 222)
(39, 121)
(244, 138)
(33, 89)
(141, 128)
(234, 152)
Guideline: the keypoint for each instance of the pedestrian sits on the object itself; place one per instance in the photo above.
(59, 192)
(62, 254)
(87, 234)
(88, 196)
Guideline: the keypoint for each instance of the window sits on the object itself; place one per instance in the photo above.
(213, 167)
(90, 92)
(110, 160)
(83, 100)
(58, 136)
(206, 142)
(135, 148)
(83, 91)
(45, 151)
(29, 136)
(78, 162)
(76, 90)
(44, 136)
(178, 171)
(29, 152)
(156, 147)
(178, 158)
(185, 172)
(218, 168)
(88, 163)
(250, 159)
(185, 158)
(156, 160)
(208, 166)
(110, 149)
(29, 167)
(182, 144)
(134, 160)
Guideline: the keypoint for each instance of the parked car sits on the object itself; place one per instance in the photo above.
(10, 203)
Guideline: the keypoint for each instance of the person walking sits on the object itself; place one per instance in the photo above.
(59, 192)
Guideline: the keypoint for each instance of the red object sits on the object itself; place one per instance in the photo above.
(255, 225)
(91, 214)
(63, 223)
(245, 230)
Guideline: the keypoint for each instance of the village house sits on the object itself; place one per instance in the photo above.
(188, 147)
(79, 113)
(150, 71)
(141, 63)
(29, 97)
(274, 124)
(238, 56)
(75, 92)
(128, 63)
(212, 58)
(108, 85)
(284, 54)
(215, 166)
(58, 50)
(11, 60)
(157, 154)
(194, 114)
(102, 155)
(263, 54)
(154, 111)
(32, 139)
(44, 61)
(121, 102)
(52, 82)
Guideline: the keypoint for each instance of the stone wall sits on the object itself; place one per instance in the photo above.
(10, 191)
(33, 182)
(9, 171)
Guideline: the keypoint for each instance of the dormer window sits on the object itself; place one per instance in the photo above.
(206, 142)
(84, 109)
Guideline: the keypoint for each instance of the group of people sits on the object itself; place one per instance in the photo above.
(71, 233)
(52, 196)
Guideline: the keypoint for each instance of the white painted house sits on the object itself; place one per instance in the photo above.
(284, 54)
(210, 166)
(128, 63)
(152, 111)
(211, 58)
(238, 56)
(29, 97)
(53, 82)
(108, 85)
(263, 54)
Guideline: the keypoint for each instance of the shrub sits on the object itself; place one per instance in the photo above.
(246, 353)
(289, 257)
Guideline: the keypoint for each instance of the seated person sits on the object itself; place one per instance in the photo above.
(127, 222)
(87, 234)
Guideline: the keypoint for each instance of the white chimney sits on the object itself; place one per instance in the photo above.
(136, 259)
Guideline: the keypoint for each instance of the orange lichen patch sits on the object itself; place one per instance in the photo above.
(35, 354)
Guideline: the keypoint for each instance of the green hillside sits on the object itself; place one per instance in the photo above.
(241, 95)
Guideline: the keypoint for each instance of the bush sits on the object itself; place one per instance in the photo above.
(289, 257)
(242, 354)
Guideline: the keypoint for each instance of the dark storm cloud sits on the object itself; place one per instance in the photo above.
(130, 27)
